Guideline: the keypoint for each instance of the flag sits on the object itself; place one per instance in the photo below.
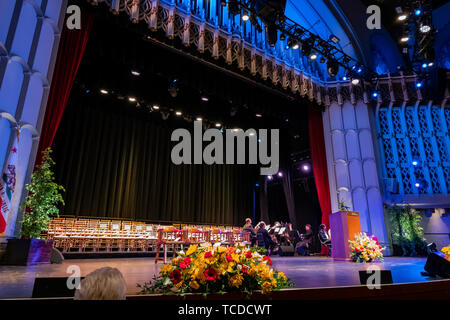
(7, 185)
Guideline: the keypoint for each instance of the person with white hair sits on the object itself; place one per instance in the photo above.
(102, 284)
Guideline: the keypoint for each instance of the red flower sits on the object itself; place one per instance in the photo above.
(248, 255)
(208, 254)
(230, 259)
(357, 250)
(210, 274)
(175, 276)
(185, 263)
(269, 261)
(244, 269)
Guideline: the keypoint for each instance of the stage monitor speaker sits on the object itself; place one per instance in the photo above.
(437, 265)
(52, 288)
(385, 277)
(287, 250)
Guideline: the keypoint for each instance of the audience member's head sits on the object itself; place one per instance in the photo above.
(102, 284)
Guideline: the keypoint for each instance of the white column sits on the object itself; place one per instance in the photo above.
(352, 169)
(29, 38)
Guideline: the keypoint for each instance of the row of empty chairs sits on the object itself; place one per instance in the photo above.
(101, 235)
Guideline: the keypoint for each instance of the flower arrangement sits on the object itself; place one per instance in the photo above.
(364, 248)
(446, 251)
(218, 269)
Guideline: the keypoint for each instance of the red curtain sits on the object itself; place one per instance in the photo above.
(319, 159)
(71, 50)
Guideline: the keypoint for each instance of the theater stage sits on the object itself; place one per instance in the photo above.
(305, 272)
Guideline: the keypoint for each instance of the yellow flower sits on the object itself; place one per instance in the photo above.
(266, 287)
(282, 275)
(194, 284)
(236, 280)
(191, 249)
(165, 269)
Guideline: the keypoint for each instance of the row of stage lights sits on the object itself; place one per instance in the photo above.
(166, 112)
(357, 72)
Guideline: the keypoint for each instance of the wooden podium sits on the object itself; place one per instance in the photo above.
(344, 225)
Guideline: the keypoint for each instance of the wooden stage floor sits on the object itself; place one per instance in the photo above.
(305, 272)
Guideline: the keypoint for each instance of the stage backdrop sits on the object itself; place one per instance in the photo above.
(114, 161)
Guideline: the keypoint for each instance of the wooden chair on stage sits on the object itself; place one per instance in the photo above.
(170, 237)
(196, 236)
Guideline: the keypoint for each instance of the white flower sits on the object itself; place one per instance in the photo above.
(217, 244)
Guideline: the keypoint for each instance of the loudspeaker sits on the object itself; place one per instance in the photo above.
(385, 277)
(52, 288)
(437, 265)
(287, 250)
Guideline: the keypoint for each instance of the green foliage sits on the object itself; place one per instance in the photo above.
(43, 198)
(406, 232)
(342, 205)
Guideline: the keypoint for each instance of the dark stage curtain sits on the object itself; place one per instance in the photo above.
(319, 158)
(289, 195)
(71, 50)
(114, 160)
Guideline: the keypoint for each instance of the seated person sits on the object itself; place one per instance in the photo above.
(324, 237)
(249, 228)
(263, 238)
(306, 241)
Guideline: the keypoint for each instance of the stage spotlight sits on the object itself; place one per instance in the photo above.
(218, 125)
(344, 78)
(402, 17)
(245, 16)
(306, 49)
(419, 85)
(258, 115)
(271, 34)
(135, 73)
(313, 56)
(199, 119)
(178, 113)
(418, 12)
(103, 91)
(257, 185)
(431, 64)
(404, 39)
(332, 67)
(359, 70)
(233, 7)
(306, 167)
(355, 81)
(280, 174)
(334, 39)
(132, 99)
(424, 28)
(417, 185)
(415, 163)
(269, 177)
(375, 94)
(155, 107)
(205, 98)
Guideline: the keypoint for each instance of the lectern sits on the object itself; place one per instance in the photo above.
(344, 225)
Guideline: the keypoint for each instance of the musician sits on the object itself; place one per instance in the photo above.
(264, 239)
(324, 236)
(291, 234)
(248, 227)
(306, 241)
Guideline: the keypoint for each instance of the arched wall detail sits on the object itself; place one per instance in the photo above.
(352, 169)
(29, 38)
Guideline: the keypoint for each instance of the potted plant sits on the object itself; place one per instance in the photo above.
(41, 204)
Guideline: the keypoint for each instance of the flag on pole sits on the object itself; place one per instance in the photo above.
(7, 184)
